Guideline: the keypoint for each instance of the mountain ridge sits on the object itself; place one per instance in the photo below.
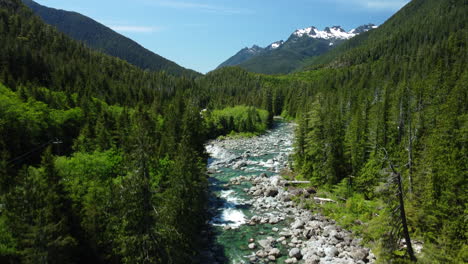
(286, 56)
(102, 38)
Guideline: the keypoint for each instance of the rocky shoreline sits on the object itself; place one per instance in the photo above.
(309, 238)
(290, 234)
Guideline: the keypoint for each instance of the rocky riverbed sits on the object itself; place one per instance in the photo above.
(252, 210)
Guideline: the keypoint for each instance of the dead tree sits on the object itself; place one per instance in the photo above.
(400, 225)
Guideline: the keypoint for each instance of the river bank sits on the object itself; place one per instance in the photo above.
(253, 215)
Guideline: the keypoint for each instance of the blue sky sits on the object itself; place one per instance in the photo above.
(201, 34)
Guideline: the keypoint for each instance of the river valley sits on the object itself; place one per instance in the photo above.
(252, 213)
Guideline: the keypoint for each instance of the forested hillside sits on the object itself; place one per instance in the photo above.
(101, 162)
(394, 96)
(102, 38)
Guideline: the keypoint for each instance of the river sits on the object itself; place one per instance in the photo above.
(253, 219)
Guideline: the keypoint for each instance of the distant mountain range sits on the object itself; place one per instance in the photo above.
(287, 56)
(104, 39)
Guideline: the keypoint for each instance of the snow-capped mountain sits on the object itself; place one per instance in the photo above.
(275, 45)
(335, 32)
(248, 53)
(253, 50)
(363, 28)
(284, 56)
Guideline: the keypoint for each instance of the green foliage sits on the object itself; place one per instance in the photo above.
(352, 211)
(119, 128)
(39, 216)
(131, 186)
(238, 119)
(385, 95)
(369, 177)
(7, 241)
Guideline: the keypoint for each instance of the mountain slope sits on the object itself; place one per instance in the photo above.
(241, 56)
(102, 38)
(391, 39)
(109, 117)
(246, 54)
(285, 57)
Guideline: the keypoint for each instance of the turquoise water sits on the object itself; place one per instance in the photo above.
(230, 204)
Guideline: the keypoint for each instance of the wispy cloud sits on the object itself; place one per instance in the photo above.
(135, 29)
(209, 8)
(385, 4)
(392, 5)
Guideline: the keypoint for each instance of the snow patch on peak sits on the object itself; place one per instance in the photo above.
(305, 31)
(335, 32)
(254, 49)
(363, 28)
(275, 45)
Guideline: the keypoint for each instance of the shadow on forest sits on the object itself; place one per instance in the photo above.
(210, 250)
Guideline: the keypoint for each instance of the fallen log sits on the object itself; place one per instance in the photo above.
(296, 182)
(323, 200)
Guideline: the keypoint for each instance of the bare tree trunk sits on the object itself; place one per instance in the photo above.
(401, 123)
(410, 156)
(403, 219)
(397, 179)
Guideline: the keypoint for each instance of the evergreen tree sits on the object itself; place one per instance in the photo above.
(43, 222)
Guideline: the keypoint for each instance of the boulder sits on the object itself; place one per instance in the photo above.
(274, 252)
(296, 192)
(310, 190)
(280, 239)
(298, 224)
(321, 253)
(295, 240)
(261, 254)
(274, 220)
(240, 164)
(295, 253)
(271, 191)
(265, 243)
(276, 181)
(308, 233)
(252, 246)
(339, 235)
(359, 253)
(329, 230)
(312, 260)
(356, 242)
(257, 192)
(331, 252)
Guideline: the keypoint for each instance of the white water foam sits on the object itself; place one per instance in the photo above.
(233, 217)
(219, 154)
(229, 217)
(230, 198)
